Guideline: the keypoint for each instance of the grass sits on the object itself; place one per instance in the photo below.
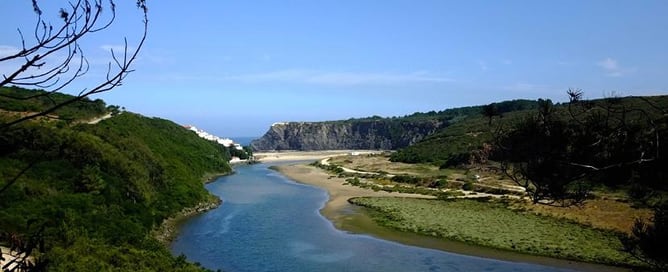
(381, 163)
(610, 209)
(493, 224)
(599, 213)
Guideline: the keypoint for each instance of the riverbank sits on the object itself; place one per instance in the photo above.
(168, 229)
(208, 178)
(337, 207)
(352, 218)
(492, 224)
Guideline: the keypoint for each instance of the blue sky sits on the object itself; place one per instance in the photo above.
(235, 67)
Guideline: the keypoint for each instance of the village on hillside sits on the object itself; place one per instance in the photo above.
(237, 152)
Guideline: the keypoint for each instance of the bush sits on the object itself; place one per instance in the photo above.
(406, 179)
(439, 183)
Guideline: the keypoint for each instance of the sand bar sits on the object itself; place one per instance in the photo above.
(278, 156)
(338, 192)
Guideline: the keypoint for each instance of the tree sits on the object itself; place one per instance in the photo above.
(621, 140)
(490, 111)
(557, 152)
(535, 154)
(35, 64)
(249, 152)
(36, 67)
(649, 241)
(52, 59)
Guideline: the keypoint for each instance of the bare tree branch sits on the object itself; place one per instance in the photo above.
(83, 18)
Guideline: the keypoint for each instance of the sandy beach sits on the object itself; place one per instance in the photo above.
(306, 155)
(338, 192)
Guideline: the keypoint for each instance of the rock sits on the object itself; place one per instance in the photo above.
(385, 134)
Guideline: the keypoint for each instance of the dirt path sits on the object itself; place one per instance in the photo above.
(325, 161)
(99, 119)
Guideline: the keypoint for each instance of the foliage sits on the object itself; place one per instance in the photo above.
(452, 146)
(91, 194)
(649, 241)
(241, 154)
(492, 224)
(557, 153)
(82, 109)
(468, 186)
(463, 112)
(329, 167)
(536, 156)
(52, 56)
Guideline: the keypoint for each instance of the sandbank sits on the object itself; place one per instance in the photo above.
(339, 194)
(279, 156)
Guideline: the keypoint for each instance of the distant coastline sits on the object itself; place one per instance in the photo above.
(244, 141)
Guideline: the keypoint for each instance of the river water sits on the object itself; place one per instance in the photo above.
(270, 223)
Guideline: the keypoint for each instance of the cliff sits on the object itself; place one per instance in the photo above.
(351, 134)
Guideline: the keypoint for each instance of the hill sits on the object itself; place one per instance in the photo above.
(19, 100)
(372, 132)
(454, 145)
(86, 197)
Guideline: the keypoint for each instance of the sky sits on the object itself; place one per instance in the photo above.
(235, 67)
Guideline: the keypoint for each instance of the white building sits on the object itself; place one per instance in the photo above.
(227, 142)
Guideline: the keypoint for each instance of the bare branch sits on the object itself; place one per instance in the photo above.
(83, 19)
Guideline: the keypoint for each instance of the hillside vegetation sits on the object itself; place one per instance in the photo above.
(492, 224)
(87, 197)
(372, 132)
(20, 100)
(575, 154)
(454, 144)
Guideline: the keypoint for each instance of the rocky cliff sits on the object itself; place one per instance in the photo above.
(353, 134)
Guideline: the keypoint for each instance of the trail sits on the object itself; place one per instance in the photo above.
(99, 119)
(467, 194)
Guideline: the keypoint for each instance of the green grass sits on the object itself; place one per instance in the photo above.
(492, 224)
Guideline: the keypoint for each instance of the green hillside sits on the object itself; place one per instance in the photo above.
(453, 145)
(16, 99)
(468, 131)
(91, 194)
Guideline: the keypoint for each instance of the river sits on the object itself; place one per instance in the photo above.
(270, 223)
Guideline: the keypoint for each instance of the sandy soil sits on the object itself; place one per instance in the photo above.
(9, 256)
(338, 192)
(306, 155)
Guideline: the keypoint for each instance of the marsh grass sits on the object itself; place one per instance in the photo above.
(494, 225)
